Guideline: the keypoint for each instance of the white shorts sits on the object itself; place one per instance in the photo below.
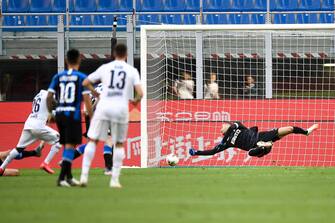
(29, 136)
(99, 130)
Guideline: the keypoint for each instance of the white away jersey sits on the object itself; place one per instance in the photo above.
(39, 114)
(118, 79)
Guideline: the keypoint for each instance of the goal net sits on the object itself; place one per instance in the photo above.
(197, 77)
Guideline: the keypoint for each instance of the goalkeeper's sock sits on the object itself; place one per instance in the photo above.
(298, 130)
(118, 156)
(87, 160)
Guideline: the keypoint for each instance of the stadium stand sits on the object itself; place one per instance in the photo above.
(171, 19)
(18, 6)
(169, 11)
(41, 6)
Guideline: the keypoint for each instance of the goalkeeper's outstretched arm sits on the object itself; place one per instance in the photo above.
(218, 148)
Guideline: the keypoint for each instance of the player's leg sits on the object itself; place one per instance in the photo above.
(119, 133)
(26, 139)
(108, 156)
(284, 131)
(218, 148)
(51, 137)
(97, 131)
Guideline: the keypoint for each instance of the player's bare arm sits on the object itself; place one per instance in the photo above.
(88, 84)
(138, 94)
(88, 105)
(50, 101)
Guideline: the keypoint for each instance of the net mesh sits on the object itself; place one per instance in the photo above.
(234, 88)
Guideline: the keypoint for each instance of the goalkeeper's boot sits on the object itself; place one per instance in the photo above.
(73, 182)
(63, 183)
(312, 129)
(192, 152)
(47, 168)
(115, 183)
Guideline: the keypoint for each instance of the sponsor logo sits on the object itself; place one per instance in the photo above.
(193, 116)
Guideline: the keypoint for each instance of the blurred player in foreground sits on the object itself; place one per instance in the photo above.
(249, 139)
(34, 129)
(67, 86)
(118, 78)
(22, 155)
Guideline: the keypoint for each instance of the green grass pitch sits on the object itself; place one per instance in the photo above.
(175, 195)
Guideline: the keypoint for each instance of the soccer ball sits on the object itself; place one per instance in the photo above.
(172, 159)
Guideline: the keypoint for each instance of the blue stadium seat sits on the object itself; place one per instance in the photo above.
(258, 18)
(85, 6)
(122, 20)
(103, 20)
(126, 6)
(59, 6)
(327, 5)
(307, 18)
(147, 20)
(218, 5)
(37, 20)
(13, 20)
(284, 5)
(192, 5)
(79, 20)
(284, 19)
(216, 19)
(40, 5)
(310, 5)
(4, 6)
(239, 18)
(171, 19)
(326, 18)
(190, 19)
(251, 5)
(174, 5)
(108, 6)
(149, 5)
(18, 6)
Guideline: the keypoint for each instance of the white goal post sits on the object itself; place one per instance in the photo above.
(197, 76)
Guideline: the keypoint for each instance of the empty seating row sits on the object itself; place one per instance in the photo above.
(164, 5)
(105, 20)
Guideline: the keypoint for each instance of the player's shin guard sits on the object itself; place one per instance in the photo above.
(14, 153)
(118, 157)
(66, 171)
(53, 151)
(108, 157)
(87, 160)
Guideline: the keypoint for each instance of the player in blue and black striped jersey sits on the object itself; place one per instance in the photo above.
(66, 87)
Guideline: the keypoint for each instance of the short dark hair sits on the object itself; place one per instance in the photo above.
(120, 50)
(73, 56)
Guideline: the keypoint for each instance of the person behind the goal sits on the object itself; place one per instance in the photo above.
(255, 143)
(118, 79)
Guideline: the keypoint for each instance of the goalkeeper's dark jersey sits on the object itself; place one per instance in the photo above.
(240, 137)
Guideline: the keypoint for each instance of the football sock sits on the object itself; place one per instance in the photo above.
(53, 151)
(298, 130)
(88, 157)
(108, 157)
(9, 158)
(118, 157)
(28, 154)
(79, 151)
(68, 155)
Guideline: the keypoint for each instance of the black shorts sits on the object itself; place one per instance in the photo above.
(271, 135)
(69, 130)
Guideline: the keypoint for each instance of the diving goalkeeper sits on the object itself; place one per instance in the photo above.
(255, 143)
